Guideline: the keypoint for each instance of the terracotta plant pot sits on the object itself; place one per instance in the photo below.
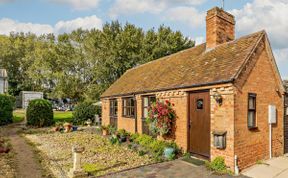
(67, 127)
(104, 132)
(56, 129)
(160, 137)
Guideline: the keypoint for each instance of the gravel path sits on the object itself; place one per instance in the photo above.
(27, 166)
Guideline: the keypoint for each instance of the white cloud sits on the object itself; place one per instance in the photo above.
(78, 4)
(187, 15)
(270, 15)
(84, 23)
(148, 6)
(199, 40)
(9, 25)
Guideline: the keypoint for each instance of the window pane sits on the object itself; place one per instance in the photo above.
(124, 103)
(251, 103)
(146, 101)
(132, 102)
(152, 99)
(251, 119)
(125, 111)
(145, 110)
(199, 104)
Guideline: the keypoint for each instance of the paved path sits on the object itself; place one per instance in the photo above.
(26, 164)
(273, 168)
(172, 169)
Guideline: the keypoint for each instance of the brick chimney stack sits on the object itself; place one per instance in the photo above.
(220, 27)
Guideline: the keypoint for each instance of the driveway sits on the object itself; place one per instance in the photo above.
(176, 168)
(273, 168)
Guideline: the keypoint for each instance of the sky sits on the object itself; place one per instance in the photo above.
(187, 16)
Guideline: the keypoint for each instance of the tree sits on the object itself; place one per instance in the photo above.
(83, 63)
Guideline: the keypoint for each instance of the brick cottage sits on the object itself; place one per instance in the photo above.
(221, 90)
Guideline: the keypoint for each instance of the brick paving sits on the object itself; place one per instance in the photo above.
(177, 168)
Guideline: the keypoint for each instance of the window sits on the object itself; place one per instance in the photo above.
(199, 104)
(146, 103)
(251, 110)
(113, 107)
(129, 107)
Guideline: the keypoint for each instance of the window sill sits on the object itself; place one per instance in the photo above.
(129, 117)
(253, 128)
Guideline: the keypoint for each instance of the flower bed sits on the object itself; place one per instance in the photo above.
(100, 156)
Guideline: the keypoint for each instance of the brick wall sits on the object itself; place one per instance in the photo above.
(222, 119)
(220, 27)
(179, 99)
(253, 145)
(105, 112)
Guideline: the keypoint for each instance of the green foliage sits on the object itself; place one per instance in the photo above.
(218, 165)
(122, 133)
(114, 140)
(6, 109)
(141, 153)
(104, 127)
(111, 129)
(84, 111)
(91, 168)
(39, 113)
(155, 146)
(83, 63)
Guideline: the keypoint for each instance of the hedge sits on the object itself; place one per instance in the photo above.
(6, 109)
(39, 113)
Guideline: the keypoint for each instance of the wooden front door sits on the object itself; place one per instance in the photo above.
(199, 123)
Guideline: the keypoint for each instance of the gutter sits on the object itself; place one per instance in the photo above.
(172, 88)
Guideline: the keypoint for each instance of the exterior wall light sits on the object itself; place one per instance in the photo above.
(218, 98)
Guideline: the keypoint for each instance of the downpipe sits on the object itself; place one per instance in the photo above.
(236, 168)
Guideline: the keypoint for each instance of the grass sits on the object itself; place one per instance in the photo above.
(59, 116)
(63, 116)
(18, 115)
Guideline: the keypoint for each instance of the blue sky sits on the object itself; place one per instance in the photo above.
(188, 16)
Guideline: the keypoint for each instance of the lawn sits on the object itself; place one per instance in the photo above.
(18, 115)
(63, 116)
(100, 156)
(59, 116)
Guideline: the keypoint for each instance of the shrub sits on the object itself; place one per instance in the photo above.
(6, 109)
(39, 113)
(84, 111)
(218, 165)
(156, 147)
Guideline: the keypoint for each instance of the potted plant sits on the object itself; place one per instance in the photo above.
(122, 134)
(161, 118)
(74, 128)
(105, 130)
(169, 153)
(112, 130)
(58, 126)
(67, 126)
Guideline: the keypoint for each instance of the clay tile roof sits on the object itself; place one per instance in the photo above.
(188, 68)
